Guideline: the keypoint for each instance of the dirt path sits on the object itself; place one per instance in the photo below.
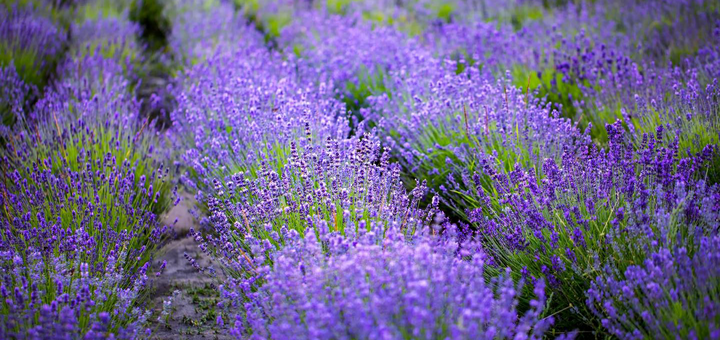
(194, 295)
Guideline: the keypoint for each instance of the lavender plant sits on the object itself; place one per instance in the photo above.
(666, 81)
(94, 98)
(15, 94)
(490, 48)
(113, 38)
(689, 113)
(576, 66)
(201, 28)
(75, 249)
(447, 127)
(77, 234)
(289, 135)
(29, 44)
(672, 294)
(665, 32)
(243, 103)
(347, 187)
(644, 97)
(376, 286)
(362, 70)
(592, 208)
(29, 39)
(573, 73)
(318, 42)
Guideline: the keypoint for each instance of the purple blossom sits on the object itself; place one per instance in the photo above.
(671, 294)
(367, 289)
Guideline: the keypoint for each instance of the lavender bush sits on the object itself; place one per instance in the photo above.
(671, 294)
(78, 230)
(92, 109)
(243, 102)
(77, 235)
(113, 38)
(346, 187)
(593, 208)
(200, 29)
(444, 135)
(30, 44)
(379, 286)
(30, 39)
(15, 94)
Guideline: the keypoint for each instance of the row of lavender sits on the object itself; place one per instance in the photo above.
(83, 175)
(377, 169)
(571, 148)
(315, 232)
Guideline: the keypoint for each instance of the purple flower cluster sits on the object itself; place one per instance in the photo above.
(92, 107)
(452, 124)
(243, 102)
(29, 39)
(30, 44)
(14, 94)
(114, 38)
(319, 42)
(382, 287)
(593, 208)
(78, 231)
(75, 247)
(596, 76)
(199, 31)
(347, 187)
(673, 293)
(489, 48)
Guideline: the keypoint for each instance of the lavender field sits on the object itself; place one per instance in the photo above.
(347, 169)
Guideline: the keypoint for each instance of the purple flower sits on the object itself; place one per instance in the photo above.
(364, 289)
